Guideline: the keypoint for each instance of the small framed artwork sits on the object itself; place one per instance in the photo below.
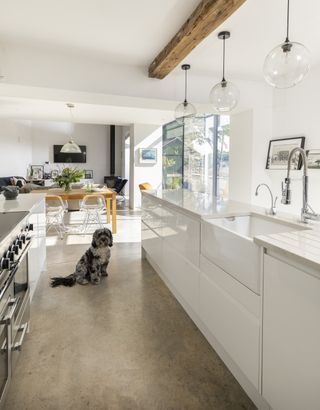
(313, 156)
(54, 173)
(37, 171)
(88, 174)
(148, 155)
(279, 150)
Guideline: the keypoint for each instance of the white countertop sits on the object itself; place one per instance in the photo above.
(23, 202)
(303, 246)
(200, 205)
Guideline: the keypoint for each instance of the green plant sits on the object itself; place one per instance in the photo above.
(68, 176)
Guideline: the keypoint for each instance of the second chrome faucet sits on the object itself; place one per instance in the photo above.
(272, 210)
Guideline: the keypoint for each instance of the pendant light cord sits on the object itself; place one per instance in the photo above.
(224, 58)
(71, 106)
(288, 10)
(185, 87)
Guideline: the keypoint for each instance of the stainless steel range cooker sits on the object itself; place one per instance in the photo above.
(15, 242)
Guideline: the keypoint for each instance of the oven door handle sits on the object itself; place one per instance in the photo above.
(23, 329)
(6, 320)
(25, 251)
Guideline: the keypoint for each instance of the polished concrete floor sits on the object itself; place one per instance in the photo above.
(126, 344)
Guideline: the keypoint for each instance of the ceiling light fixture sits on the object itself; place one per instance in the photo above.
(185, 110)
(224, 96)
(287, 64)
(71, 147)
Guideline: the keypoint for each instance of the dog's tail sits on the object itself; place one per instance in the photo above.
(65, 281)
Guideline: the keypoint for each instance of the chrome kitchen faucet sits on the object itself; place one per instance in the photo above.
(307, 213)
(272, 210)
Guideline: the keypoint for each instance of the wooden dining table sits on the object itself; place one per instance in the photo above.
(108, 194)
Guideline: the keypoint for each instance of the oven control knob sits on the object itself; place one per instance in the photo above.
(19, 243)
(10, 255)
(15, 249)
(30, 227)
(5, 263)
(22, 237)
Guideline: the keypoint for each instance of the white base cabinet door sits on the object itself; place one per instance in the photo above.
(182, 275)
(151, 243)
(37, 253)
(291, 337)
(230, 311)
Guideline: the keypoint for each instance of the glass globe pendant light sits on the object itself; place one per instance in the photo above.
(185, 111)
(224, 96)
(287, 64)
(71, 147)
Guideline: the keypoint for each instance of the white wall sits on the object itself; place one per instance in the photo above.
(15, 147)
(240, 164)
(25, 142)
(250, 131)
(295, 112)
(95, 137)
(292, 112)
(144, 136)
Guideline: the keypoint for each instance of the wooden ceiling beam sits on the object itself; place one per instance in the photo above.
(208, 15)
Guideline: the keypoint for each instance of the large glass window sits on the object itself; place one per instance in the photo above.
(196, 155)
(172, 156)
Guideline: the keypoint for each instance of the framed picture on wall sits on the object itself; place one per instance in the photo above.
(279, 150)
(88, 174)
(37, 171)
(313, 156)
(54, 173)
(148, 155)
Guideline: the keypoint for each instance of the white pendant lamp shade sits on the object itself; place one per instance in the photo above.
(225, 95)
(71, 146)
(288, 63)
(185, 111)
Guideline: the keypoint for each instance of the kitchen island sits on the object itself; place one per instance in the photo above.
(34, 204)
(238, 272)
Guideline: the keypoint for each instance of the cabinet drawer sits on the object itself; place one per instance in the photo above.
(152, 214)
(151, 243)
(182, 275)
(182, 233)
(235, 327)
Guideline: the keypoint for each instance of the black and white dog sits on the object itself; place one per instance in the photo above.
(93, 264)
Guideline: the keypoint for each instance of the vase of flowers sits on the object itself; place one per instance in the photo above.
(67, 177)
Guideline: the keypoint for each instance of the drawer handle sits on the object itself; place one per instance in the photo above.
(23, 329)
(13, 303)
(4, 347)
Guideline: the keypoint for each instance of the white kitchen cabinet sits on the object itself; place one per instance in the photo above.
(291, 337)
(234, 253)
(152, 214)
(151, 243)
(37, 253)
(182, 232)
(231, 312)
(183, 275)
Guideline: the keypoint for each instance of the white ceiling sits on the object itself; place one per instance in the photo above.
(132, 32)
(122, 31)
(36, 109)
(256, 28)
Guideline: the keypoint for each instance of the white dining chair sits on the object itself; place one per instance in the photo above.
(56, 208)
(92, 206)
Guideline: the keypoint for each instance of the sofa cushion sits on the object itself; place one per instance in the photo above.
(5, 181)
